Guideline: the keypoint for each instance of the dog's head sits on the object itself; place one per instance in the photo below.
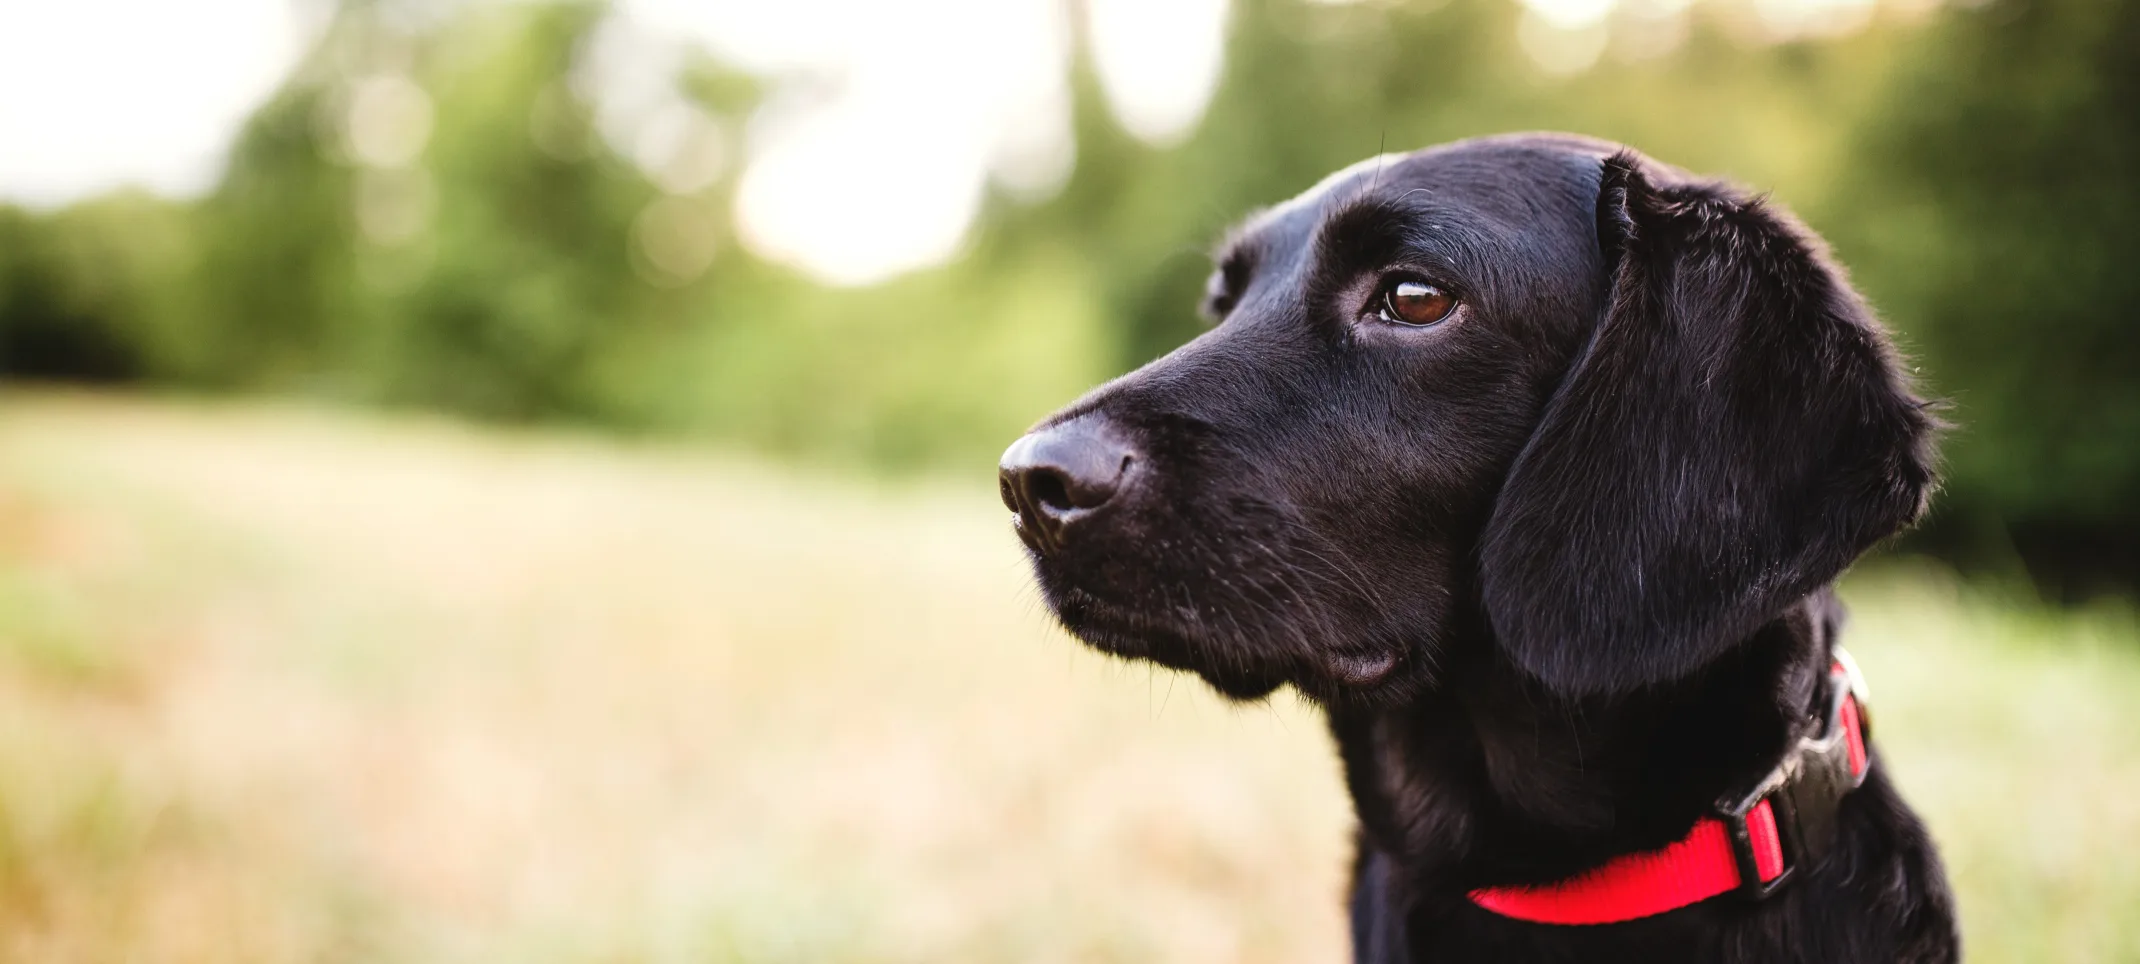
(1612, 417)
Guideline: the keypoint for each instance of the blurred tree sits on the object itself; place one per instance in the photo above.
(273, 275)
(46, 328)
(519, 272)
(84, 293)
(1998, 222)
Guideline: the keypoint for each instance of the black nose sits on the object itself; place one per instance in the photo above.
(1058, 475)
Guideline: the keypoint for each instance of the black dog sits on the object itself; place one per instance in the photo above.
(1532, 461)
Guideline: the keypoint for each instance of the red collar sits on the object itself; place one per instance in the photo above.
(1752, 844)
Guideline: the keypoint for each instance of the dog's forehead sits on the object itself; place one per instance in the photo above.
(1504, 177)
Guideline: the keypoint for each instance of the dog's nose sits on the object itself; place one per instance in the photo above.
(1060, 474)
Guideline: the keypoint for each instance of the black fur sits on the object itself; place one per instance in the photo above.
(1556, 567)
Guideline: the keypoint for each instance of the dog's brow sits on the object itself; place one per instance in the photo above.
(1365, 230)
(1242, 245)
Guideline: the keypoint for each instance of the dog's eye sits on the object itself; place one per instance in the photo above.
(1416, 303)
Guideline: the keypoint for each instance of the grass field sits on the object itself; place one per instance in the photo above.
(288, 686)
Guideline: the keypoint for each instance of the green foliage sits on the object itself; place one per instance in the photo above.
(528, 279)
(510, 275)
(83, 294)
(1998, 222)
(512, 282)
(273, 272)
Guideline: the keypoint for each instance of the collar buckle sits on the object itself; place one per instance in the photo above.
(1803, 792)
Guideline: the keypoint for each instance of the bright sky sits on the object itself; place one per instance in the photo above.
(99, 93)
(888, 121)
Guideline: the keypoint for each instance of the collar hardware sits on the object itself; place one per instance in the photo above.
(1804, 790)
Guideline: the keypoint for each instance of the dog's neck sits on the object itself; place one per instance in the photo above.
(1490, 779)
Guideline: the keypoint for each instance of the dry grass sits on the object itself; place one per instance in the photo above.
(278, 686)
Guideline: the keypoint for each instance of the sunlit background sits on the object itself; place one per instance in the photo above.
(513, 480)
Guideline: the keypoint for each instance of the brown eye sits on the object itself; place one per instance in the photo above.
(1416, 303)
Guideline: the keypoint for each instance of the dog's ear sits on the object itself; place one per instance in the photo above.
(1734, 434)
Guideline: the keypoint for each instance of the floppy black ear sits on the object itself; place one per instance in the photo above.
(1734, 434)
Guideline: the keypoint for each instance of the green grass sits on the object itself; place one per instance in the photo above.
(286, 686)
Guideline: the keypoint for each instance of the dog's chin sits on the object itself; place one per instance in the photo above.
(1239, 686)
(1232, 669)
(1136, 637)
